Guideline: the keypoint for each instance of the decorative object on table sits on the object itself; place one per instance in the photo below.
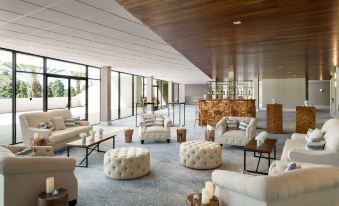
(273, 101)
(262, 136)
(128, 135)
(39, 141)
(92, 135)
(101, 132)
(192, 201)
(210, 133)
(204, 96)
(205, 198)
(59, 199)
(55, 192)
(83, 137)
(306, 103)
(49, 185)
(181, 134)
(209, 188)
(305, 118)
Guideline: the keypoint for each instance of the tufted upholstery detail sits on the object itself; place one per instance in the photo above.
(126, 163)
(200, 155)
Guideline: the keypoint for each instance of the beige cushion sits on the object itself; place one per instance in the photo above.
(62, 135)
(59, 123)
(200, 155)
(126, 163)
(155, 129)
(291, 145)
(80, 129)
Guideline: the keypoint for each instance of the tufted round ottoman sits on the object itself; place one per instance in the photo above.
(200, 155)
(126, 163)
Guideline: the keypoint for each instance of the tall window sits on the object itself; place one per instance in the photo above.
(126, 95)
(5, 97)
(138, 93)
(94, 95)
(114, 95)
(29, 87)
(164, 93)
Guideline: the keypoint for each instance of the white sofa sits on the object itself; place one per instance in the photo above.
(154, 133)
(30, 122)
(236, 137)
(295, 148)
(23, 178)
(303, 187)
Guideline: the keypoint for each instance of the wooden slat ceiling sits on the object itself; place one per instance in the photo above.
(276, 39)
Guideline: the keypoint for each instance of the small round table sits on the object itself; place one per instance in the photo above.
(128, 135)
(190, 202)
(61, 199)
(181, 135)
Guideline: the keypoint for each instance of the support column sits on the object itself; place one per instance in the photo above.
(105, 96)
(149, 92)
(182, 95)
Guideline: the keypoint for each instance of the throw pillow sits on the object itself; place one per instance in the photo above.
(25, 152)
(291, 166)
(70, 122)
(59, 123)
(308, 134)
(243, 125)
(148, 122)
(232, 124)
(77, 121)
(46, 125)
(315, 145)
(159, 122)
(315, 136)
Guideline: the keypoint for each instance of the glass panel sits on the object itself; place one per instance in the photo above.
(94, 101)
(29, 96)
(29, 63)
(126, 95)
(57, 93)
(114, 95)
(155, 94)
(78, 98)
(65, 68)
(5, 97)
(175, 92)
(138, 93)
(164, 93)
(93, 73)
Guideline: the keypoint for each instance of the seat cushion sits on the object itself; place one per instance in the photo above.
(235, 134)
(290, 145)
(62, 135)
(298, 136)
(234, 137)
(155, 129)
(80, 129)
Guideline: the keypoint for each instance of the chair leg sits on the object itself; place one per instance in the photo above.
(142, 141)
(72, 202)
(221, 145)
(168, 140)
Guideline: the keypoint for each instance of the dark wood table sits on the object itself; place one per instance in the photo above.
(190, 202)
(267, 147)
(92, 146)
(274, 123)
(181, 135)
(61, 199)
(305, 119)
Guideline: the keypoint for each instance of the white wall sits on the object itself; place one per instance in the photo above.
(289, 92)
(315, 96)
(194, 91)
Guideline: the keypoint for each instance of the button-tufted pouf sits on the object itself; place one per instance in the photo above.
(126, 163)
(200, 155)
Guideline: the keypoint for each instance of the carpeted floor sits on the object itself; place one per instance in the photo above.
(168, 182)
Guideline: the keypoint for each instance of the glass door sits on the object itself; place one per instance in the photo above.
(78, 98)
(57, 93)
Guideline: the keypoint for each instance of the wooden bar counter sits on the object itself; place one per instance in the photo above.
(213, 110)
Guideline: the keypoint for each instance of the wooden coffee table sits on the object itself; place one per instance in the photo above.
(267, 147)
(61, 199)
(92, 146)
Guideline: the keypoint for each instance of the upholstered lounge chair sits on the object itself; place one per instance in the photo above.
(154, 132)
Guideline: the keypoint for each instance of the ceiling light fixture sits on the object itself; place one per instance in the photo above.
(237, 22)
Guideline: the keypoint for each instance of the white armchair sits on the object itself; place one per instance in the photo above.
(152, 132)
(236, 137)
(295, 148)
(302, 187)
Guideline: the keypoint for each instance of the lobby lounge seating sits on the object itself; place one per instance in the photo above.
(22, 178)
(295, 148)
(154, 132)
(30, 124)
(303, 187)
(236, 137)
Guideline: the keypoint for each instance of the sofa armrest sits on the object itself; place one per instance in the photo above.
(240, 183)
(15, 148)
(84, 123)
(42, 132)
(251, 128)
(298, 136)
(26, 165)
(46, 151)
(314, 157)
(221, 126)
(167, 123)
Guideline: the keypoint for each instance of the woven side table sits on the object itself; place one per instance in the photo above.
(128, 135)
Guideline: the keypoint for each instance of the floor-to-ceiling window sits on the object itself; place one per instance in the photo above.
(138, 93)
(6, 97)
(114, 95)
(164, 94)
(175, 92)
(94, 94)
(126, 95)
(29, 87)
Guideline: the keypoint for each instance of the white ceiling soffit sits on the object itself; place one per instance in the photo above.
(94, 32)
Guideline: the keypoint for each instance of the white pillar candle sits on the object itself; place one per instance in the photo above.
(204, 197)
(36, 135)
(209, 188)
(49, 184)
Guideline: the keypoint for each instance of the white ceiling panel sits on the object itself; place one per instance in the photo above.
(93, 32)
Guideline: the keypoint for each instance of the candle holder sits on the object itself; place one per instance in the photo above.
(101, 133)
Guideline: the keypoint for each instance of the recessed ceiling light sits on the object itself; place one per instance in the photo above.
(237, 22)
